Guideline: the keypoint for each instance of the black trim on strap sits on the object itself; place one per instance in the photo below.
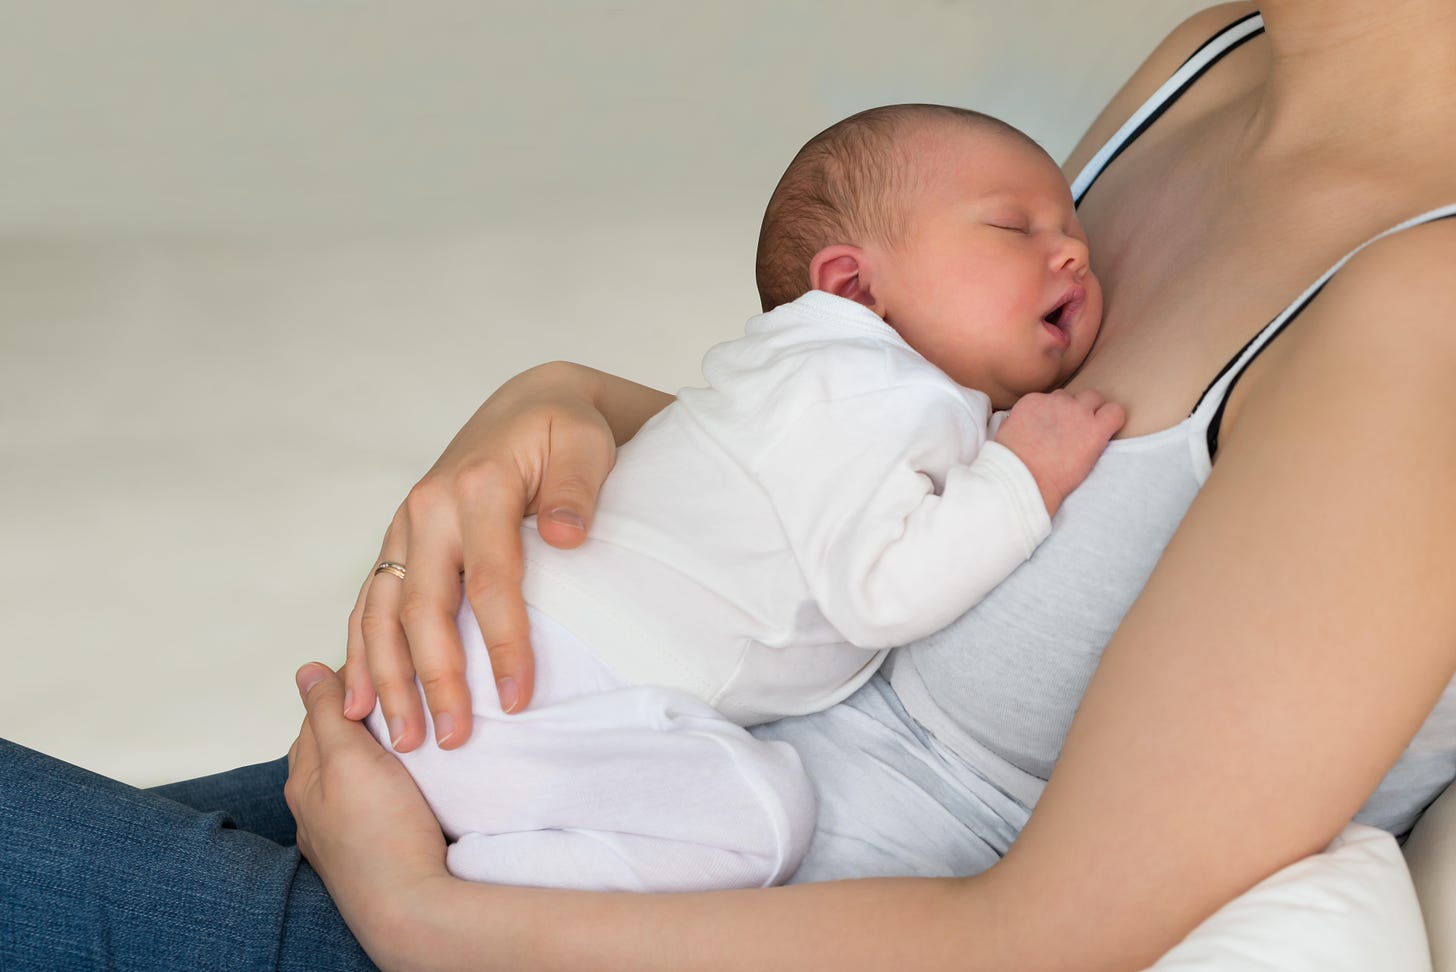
(1214, 39)
(1226, 366)
(1211, 435)
(1170, 99)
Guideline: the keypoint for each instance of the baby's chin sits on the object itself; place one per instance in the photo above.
(1068, 367)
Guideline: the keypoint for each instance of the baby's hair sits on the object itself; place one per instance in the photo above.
(847, 185)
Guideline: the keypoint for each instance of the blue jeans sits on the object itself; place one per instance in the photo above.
(200, 875)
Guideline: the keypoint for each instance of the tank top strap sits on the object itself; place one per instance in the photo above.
(1208, 413)
(1191, 70)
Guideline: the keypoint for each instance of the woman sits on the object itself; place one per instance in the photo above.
(1289, 643)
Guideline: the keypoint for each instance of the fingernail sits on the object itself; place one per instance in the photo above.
(396, 729)
(568, 517)
(444, 727)
(307, 678)
(348, 699)
(509, 694)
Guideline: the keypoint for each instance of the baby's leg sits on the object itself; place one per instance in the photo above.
(603, 786)
(636, 789)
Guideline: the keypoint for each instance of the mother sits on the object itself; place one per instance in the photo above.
(1292, 639)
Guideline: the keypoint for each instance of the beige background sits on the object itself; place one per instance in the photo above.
(258, 261)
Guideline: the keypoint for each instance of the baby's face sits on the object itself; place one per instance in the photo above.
(991, 282)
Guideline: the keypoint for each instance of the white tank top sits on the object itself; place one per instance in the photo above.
(1000, 685)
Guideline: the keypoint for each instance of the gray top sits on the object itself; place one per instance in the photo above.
(1000, 685)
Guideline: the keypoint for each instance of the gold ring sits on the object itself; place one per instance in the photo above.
(390, 567)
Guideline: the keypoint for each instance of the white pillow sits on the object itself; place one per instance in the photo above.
(1351, 908)
(1431, 855)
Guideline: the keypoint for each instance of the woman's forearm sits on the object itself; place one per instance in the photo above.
(842, 926)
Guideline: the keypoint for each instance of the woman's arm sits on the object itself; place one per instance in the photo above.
(543, 442)
(1295, 634)
(371, 837)
(1292, 639)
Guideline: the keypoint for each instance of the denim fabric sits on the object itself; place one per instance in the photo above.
(250, 796)
(202, 875)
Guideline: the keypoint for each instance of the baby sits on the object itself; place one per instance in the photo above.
(835, 490)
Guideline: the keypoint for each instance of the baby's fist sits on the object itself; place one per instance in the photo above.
(1059, 435)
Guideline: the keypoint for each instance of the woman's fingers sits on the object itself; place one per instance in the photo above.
(292, 755)
(358, 686)
(581, 457)
(578, 456)
(493, 568)
(303, 755)
(385, 655)
(362, 822)
(557, 475)
(430, 602)
(539, 444)
(323, 696)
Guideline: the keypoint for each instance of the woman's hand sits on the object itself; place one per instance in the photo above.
(362, 823)
(543, 443)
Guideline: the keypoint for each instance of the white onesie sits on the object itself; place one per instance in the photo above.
(760, 544)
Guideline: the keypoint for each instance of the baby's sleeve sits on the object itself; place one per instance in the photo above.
(901, 515)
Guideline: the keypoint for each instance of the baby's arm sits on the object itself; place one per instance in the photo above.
(1059, 436)
(902, 517)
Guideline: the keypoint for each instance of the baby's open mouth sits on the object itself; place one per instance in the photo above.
(1059, 318)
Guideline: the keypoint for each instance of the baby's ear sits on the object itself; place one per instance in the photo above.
(841, 270)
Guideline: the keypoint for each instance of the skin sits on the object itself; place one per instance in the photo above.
(993, 248)
(1291, 640)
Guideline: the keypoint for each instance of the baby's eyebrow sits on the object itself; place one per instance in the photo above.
(998, 194)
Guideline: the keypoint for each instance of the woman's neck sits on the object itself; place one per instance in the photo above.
(1355, 74)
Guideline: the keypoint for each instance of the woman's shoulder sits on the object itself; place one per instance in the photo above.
(1377, 332)
(1394, 291)
(1165, 59)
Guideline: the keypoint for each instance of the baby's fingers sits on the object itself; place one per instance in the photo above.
(1110, 417)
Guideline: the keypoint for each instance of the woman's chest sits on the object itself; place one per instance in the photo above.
(1009, 673)
(1193, 265)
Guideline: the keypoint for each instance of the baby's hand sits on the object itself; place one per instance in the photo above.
(1059, 435)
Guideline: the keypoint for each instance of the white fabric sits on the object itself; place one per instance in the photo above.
(759, 545)
(893, 802)
(1351, 908)
(763, 539)
(605, 786)
(1431, 855)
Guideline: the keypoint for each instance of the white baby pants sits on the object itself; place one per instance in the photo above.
(599, 785)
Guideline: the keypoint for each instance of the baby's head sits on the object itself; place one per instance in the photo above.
(954, 227)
